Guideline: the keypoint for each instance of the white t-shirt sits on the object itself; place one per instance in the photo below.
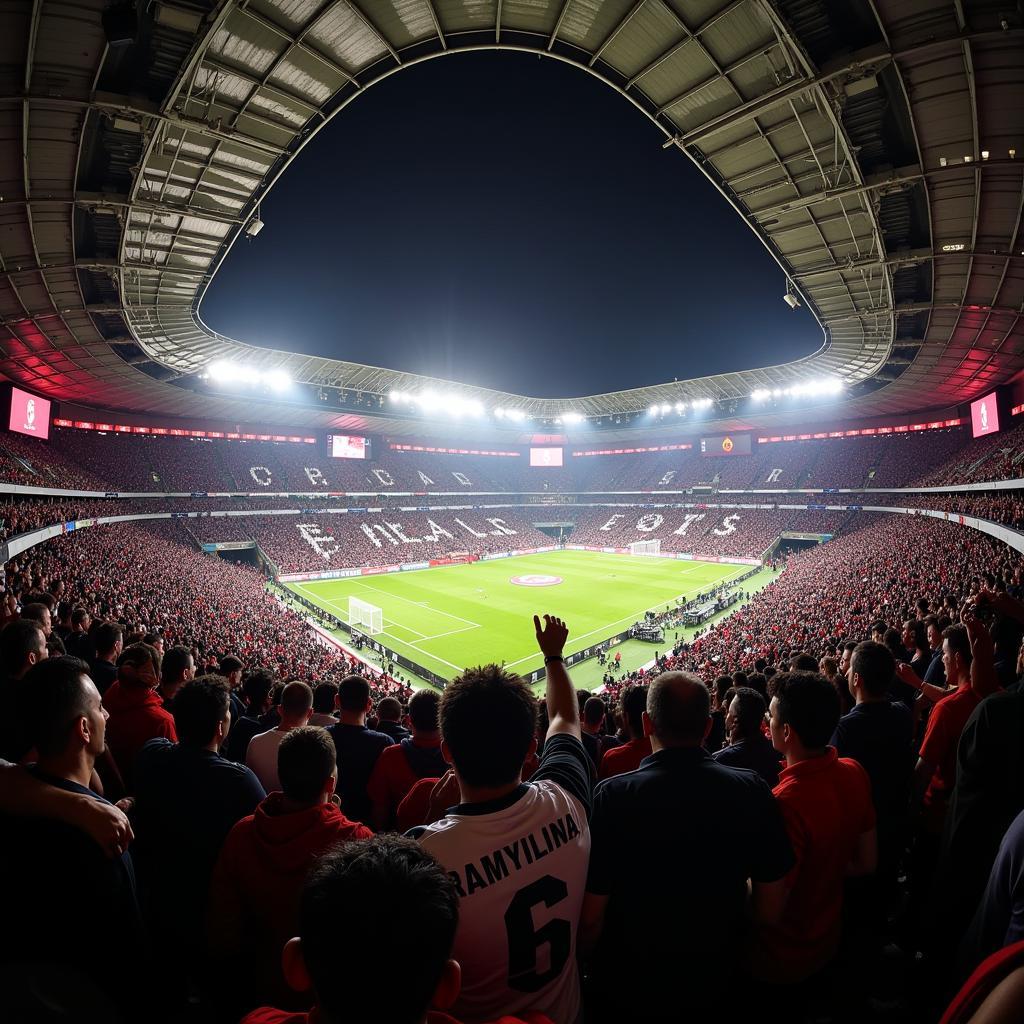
(520, 864)
(261, 757)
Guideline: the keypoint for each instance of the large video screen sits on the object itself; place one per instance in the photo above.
(29, 415)
(725, 444)
(347, 446)
(545, 456)
(985, 415)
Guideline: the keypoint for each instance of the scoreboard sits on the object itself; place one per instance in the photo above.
(726, 444)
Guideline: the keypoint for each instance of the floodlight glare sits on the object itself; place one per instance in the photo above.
(277, 380)
(761, 394)
(572, 417)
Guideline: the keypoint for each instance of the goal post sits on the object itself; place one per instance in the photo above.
(645, 547)
(366, 616)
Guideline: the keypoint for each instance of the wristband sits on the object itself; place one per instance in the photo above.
(553, 657)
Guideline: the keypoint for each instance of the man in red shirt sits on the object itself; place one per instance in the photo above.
(136, 711)
(405, 907)
(826, 805)
(399, 767)
(935, 774)
(254, 894)
(627, 757)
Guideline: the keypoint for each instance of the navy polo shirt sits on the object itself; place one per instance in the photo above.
(757, 754)
(675, 842)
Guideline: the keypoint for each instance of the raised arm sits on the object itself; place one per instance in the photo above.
(563, 706)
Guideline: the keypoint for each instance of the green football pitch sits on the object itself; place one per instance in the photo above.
(453, 616)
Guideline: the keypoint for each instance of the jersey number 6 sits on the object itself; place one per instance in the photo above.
(524, 940)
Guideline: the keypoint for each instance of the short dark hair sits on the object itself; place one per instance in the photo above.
(917, 627)
(50, 699)
(722, 686)
(306, 759)
(423, 710)
(389, 709)
(79, 614)
(138, 654)
(803, 662)
(34, 611)
(199, 708)
(257, 685)
(809, 705)
(175, 661)
(875, 665)
(959, 642)
(323, 697)
(678, 705)
(878, 626)
(488, 719)
(106, 636)
(594, 710)
(750, 709)
(353, 693)
(228, 664)
(633, 704)
(296, 698)
(18, 640)
(396, 890)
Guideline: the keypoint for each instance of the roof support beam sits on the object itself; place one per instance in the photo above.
(369, 23)
(690, 35)
(610, 38)
(780, 94)
(558, 23)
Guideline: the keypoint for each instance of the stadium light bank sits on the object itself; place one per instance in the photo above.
(810, 389)
(226, 372)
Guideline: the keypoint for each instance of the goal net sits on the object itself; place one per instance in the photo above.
(366, 616)
(645, 547)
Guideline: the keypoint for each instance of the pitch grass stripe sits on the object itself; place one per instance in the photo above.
(599, 592)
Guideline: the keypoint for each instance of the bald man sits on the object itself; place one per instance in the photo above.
(657, 831)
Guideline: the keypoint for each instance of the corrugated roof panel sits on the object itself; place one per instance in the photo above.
(215, 83)
(582, 23)
(699, 107)
(460, 15)
(684, 70)
(742, 31)
(246, 44)
(346, 37)
(311, 80)
(529, 15)
(290, 13)
(201, 226)
(404, 21)
(643, 38)
(279, 109)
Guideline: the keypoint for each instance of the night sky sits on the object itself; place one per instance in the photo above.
(507, 221)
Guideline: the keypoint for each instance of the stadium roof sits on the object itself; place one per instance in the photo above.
(876, 148)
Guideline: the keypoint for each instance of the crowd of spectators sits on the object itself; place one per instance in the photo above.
(841, 755)
(132, 462)
(317, 543)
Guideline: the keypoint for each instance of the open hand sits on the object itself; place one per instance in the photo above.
(551, 636)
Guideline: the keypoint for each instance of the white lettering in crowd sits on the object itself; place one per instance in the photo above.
(469, 528)
(728, 526)
(256, 471)
(315, 477)
(323, 545)
(688, 521)
(462, 478)
(427, 482)
(396, 529)
(611, 522)
(384, 477)
(667, 478)
(773, 476)
(437, 531)
(649, 523)
(368, 530)
(501, 528)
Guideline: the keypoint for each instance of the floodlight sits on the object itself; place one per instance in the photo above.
(761, 394)
(665, 409)
(572, 417)
(654, 409)
(277, 380)
(791, 300)
(254, 227)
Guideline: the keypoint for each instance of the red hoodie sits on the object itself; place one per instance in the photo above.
(136, 715)
(254, 892)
